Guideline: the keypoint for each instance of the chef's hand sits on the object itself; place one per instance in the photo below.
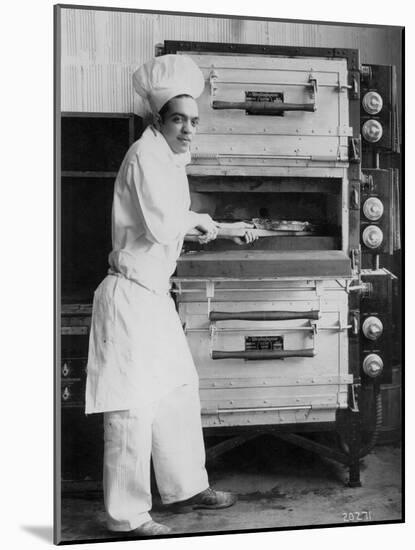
(208, 227)
(249, 236)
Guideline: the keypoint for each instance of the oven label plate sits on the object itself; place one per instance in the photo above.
(268, 343)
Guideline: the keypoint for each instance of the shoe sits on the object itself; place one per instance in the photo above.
(210, 499)
(150, 529)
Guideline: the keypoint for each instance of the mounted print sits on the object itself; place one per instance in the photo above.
(229, 274)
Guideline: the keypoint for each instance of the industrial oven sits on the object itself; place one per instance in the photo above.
(287, 330)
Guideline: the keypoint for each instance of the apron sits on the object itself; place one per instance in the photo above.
(138, 351)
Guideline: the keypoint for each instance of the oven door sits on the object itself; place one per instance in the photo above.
(267, 352)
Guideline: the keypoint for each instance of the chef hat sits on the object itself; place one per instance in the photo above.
(167, 76)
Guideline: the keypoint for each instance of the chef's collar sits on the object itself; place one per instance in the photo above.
(180, 159)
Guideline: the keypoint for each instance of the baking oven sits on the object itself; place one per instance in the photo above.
(279, 329)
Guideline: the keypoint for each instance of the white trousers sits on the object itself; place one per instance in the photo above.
(170, 431)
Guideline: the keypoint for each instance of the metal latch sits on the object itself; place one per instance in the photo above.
(352, 88)
(368, 183)
(210, 293)
(355, 195)
(354, 321)
(354, 149)
(364, 288)
(313, 87)
(213, 79)
(355, 257)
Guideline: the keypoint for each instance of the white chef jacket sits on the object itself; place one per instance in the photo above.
(150, 212)
(137, 348)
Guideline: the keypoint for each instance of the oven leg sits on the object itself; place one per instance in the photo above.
(354, 441)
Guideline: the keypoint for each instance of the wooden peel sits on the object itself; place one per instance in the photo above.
(232, 233)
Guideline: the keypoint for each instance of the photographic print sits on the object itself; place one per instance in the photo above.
(228, 200)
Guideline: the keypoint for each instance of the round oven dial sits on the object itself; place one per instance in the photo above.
(373, 365)
(372, 103)
(372, 236)
(372, 328)
(373, 209)
(372, 131)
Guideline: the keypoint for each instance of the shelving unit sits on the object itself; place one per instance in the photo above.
(93, 146)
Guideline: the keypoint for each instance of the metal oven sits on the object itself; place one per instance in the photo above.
(287, 330)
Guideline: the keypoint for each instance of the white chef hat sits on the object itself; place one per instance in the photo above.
(167, 76)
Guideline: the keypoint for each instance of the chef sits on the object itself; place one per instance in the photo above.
(140, 373)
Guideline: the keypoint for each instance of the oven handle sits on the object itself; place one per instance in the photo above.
(263, 108)
(263, 315)
(261, 355)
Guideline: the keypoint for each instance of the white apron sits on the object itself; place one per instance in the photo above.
(137, 351)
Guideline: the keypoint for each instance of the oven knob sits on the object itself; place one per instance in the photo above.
(373, 365)
(373, 209)
(372, 328)
(65, 369)
(372, 130)
(66, 394)
(372, 103)
(372, 236)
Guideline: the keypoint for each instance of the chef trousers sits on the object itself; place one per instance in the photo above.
(169, 431)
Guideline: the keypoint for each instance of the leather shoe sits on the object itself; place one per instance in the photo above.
(150, 529)
(210, 499)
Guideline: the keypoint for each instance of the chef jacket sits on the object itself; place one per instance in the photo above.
(150, 212)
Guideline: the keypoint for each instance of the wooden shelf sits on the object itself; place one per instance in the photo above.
(87, 174)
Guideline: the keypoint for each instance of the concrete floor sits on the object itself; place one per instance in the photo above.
(279, 485)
